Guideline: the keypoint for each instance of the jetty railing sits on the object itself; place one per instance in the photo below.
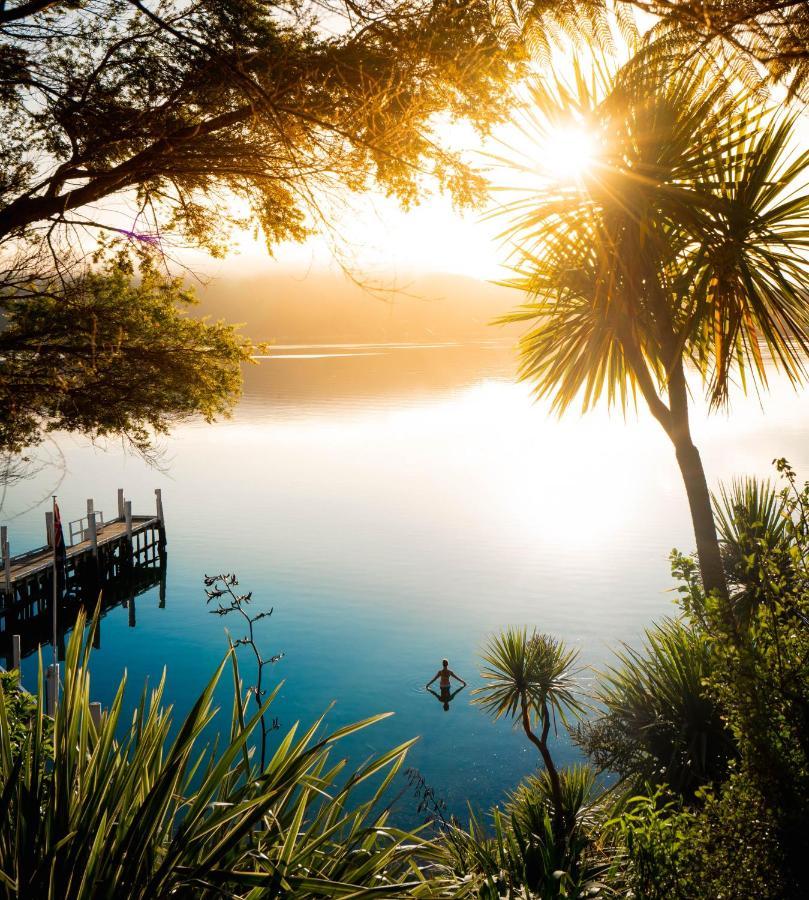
(99, 551)
(81, 529)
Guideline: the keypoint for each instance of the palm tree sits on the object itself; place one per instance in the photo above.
(530, 678)
(684, 244)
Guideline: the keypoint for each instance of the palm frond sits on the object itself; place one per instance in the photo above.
(528, 667)
(687, 239)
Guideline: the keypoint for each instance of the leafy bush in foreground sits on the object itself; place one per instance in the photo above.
(747, 834)
(727, 848)
(19, 708)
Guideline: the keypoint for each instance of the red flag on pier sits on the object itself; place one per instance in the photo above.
(59, 549)
(59, 567)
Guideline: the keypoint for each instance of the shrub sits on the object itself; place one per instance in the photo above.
(727, 849)
(760, 646)
(19, 709)
(660, 724)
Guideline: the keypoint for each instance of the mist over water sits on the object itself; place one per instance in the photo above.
(396, 504)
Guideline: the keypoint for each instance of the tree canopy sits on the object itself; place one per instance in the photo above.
(107, 354)
(167, 122)
(181, 106)
(773, 35)
(755, 41)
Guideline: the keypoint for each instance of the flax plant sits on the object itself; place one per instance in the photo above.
(125, 809)
(659, 724)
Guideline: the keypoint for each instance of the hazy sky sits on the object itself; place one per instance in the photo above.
(375, 234)
(371, 232)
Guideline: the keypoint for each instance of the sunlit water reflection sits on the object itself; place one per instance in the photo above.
(396, 505)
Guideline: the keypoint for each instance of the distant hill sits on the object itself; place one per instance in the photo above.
(325, 307)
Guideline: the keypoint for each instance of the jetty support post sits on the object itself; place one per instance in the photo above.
(162, 593)
(16, 652)
(95, 714)
(161, 527)
(92, 532)
(120, 503)
(93, 573)
(4, 549)
(127, 546)
(52, 689)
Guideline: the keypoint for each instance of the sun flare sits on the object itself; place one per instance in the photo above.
(568, 153)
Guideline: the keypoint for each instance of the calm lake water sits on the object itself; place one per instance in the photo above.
(396, 504)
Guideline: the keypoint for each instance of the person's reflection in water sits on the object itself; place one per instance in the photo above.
(446, 695)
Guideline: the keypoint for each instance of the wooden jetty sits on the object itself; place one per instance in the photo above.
(98, 552)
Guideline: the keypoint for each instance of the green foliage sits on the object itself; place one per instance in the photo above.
(660, 724)
(172, 124)
(651, 831)
(531, 680)
(761, 678)
(112, 354)
(521, 855)
(756, 529)
(726, 849)
(20, 709)
(732, 849)
(176, 108)
(126, 810)
(760, 647)
(714, 714)
(529, 804)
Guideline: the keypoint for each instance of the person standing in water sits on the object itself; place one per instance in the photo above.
(445, 673)
(446, 695)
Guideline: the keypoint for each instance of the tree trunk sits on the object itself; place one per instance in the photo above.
(674, 419)
(559, 825)
(699, 502)
(696, 486)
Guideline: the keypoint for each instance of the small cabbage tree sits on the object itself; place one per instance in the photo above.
(659, 723)
(530, 678)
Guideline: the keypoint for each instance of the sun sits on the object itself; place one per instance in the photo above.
(568, 153)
